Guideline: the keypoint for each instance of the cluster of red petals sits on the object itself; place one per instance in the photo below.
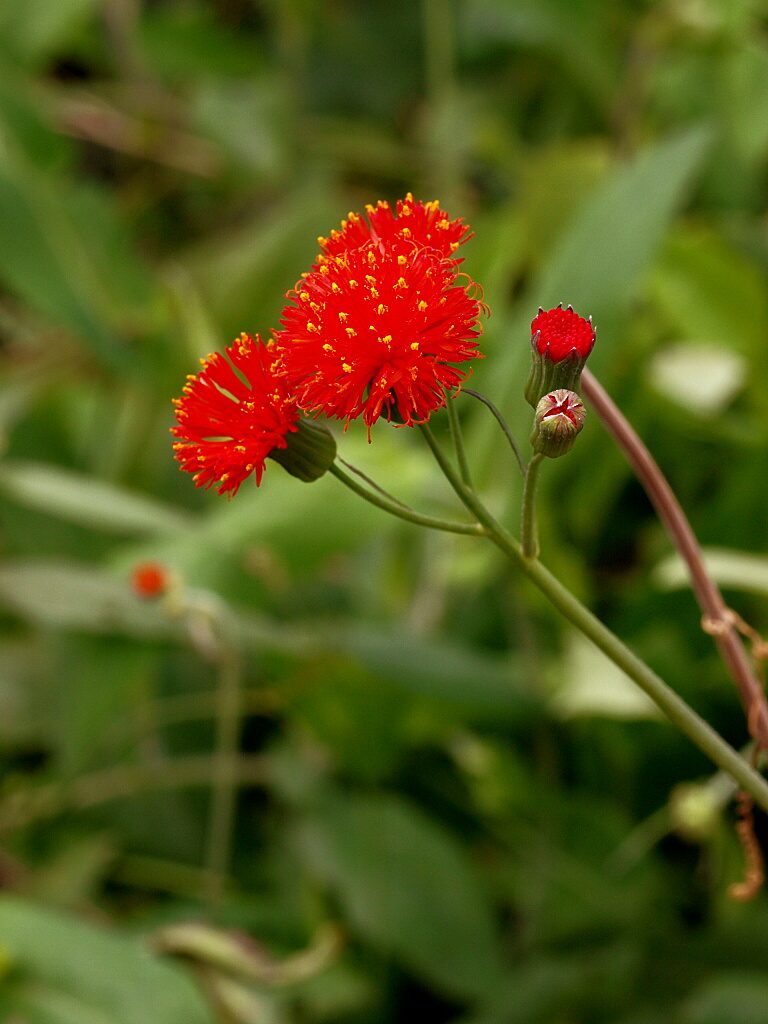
(423, 225)
(232, 414)
(558, 332)
(377, 329)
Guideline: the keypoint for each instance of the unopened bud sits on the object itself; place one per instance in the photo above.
(309, 452)
(557, 422)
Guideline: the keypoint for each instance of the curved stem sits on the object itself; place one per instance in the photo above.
(496, 413)
(458, 439)
(224, 783)
(680, 532)
(403, 511)
(371, 482)
(529, 533)
(665, 698)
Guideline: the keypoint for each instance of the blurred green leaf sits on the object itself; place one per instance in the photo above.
(737, 570)
(62, 966)
(728, 996)
(407, 887)
(88, 501)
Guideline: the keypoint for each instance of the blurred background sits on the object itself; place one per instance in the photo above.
(437, 804)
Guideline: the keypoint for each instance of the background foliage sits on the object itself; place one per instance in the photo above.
(451, 810)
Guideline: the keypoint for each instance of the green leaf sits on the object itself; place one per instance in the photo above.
(737, 570)
(87, 501)
(61, 965)
(729, 996)
(597, 265)
(407, 888)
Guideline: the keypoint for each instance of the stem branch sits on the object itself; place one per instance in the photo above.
(528, 530)
(665, 698)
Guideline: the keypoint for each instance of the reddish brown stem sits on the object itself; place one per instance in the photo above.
(682, 536)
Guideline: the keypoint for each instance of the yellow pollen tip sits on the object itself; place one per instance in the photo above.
(414, 345)
(402, 283)
(327, 347)
(402, 260)
(312, 328)
(353, 283)
(351, 332)
(381, 308)
(422, 306)
(407, 232)
(335, 287)
(346, 368)
(343, 316)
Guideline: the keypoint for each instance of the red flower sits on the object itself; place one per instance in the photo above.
(149, 579)
(562, 332)
(423, 225)
(232, 415)
(378, 329)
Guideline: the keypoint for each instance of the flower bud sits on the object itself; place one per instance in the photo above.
(561, 341)
(558, 420)
(150, 580)
(309, 452)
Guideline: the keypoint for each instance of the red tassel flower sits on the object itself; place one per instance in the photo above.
(233, 414)
(378, 330)
(423, 225)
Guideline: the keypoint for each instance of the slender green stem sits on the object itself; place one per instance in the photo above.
(224, 788)
(529, 534)
(673, 706)
(496, 413)
(458, 439)
(404, 511)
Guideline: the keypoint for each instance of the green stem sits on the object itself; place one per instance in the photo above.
(224, 789)
(665, 698)
(404, 511)
(496, 413)
(458, 440)
(528, 531)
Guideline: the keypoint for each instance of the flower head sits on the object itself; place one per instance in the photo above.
(378, 330)
(561, 341)
(560, 332)
(233, 414)
(414, 223)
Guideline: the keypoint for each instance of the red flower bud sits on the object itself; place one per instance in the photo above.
(558, 421)
(561, 341)
(150, 580)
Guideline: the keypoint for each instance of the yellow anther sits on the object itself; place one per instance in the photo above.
(407, 232)
(343, 316)
(353, 283)
(312, 328)
(402, 283)
(422, 306)
(346, 368)
(321, 240)
(314, 307)
(335, 287)
(402, 260)
(370, 279)
(372, 258)
(414, 345)
(351, 332)
(327, 347)
(381, 309)
(324, 269)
